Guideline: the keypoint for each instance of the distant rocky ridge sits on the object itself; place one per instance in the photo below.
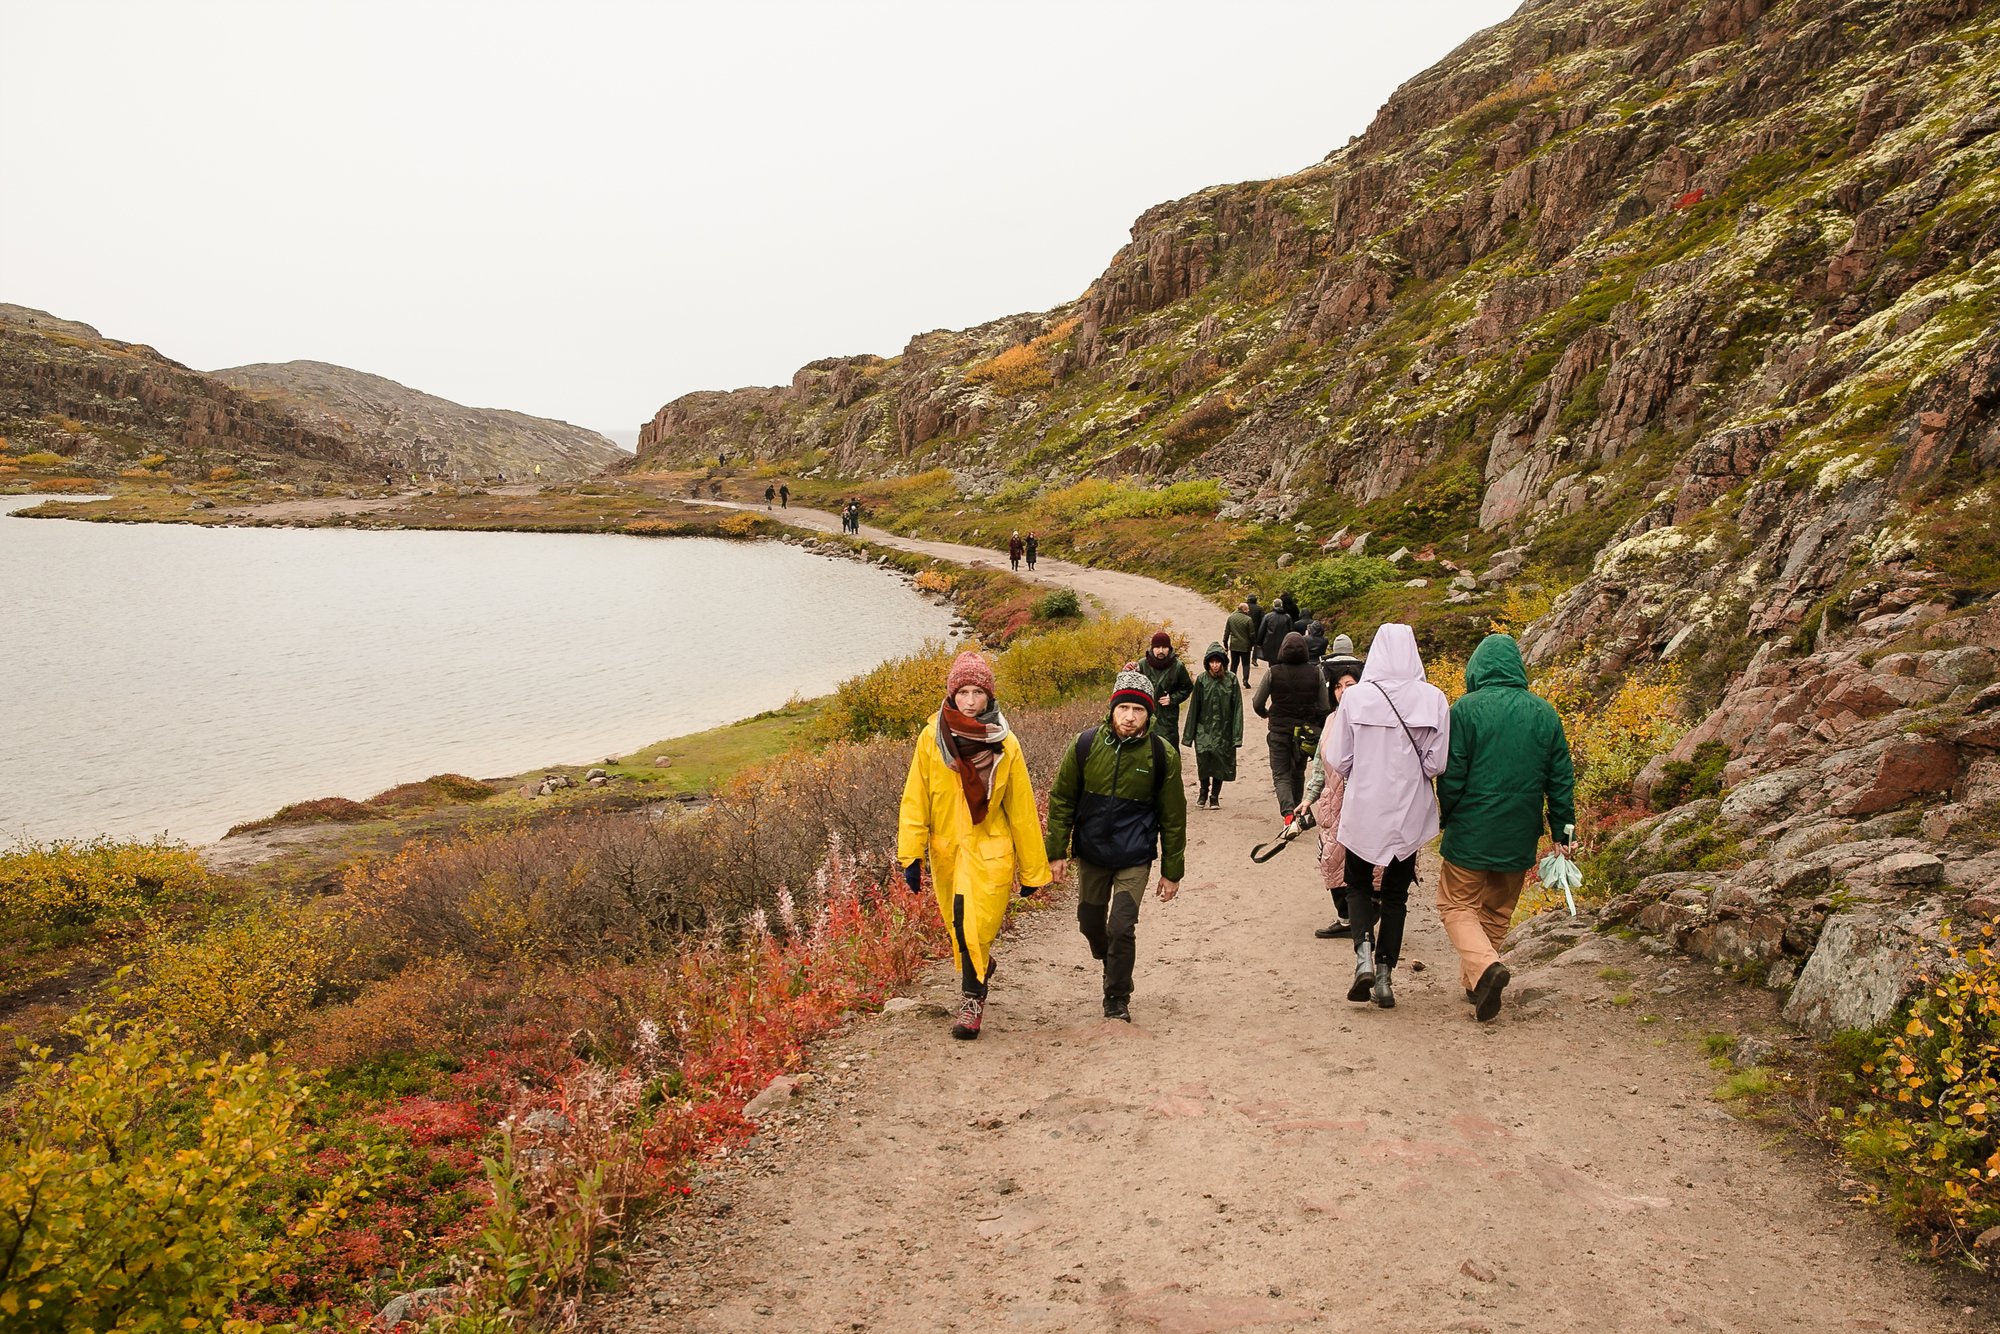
(107, 407)
(423, 433)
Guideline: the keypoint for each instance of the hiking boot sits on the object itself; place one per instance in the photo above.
(1385, 995)
(1115, 1007)
(1334, 930)
(1364, 971)
(1486, 996)
(968, 1018)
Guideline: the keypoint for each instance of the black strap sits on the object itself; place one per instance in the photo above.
(1415, 749)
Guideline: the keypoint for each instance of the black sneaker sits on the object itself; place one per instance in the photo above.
(1117, 1009)
(1335, 930)
(1486, 996)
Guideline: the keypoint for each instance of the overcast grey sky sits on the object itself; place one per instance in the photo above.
(582, 210)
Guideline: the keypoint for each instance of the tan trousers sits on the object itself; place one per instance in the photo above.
(1475, 907)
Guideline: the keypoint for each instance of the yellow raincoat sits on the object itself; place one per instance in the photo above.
(972, 866)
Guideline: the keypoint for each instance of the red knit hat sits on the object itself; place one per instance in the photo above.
(969, 669)
(1161, 639)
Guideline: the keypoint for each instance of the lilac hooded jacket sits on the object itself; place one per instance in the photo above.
(1389, 810)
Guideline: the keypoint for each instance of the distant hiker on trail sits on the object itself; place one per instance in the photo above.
(1325, 791)
(1315, 641)
(1118, 802)
(1239, 636)
(969, 803)
(1271, 633)
(1171, 684)
(1340, 660)
(1509, 762)
(784, 496)
(1214, 725)
(1394, 728)
(1256, 614)
(1292, 699)
(1033, 545)
(770, 494)
(1015, 549)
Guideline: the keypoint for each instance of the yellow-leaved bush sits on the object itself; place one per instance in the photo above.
(1610, 742)
(78, 883)
(128, 1184)
(1061, 664)
(1932, 1120)
(246, 976)
(891, 700)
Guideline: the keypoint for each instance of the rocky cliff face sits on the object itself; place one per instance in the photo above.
(1689, 305)
(109, 406)
(421, 432)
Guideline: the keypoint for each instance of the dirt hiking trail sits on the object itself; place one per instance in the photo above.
(1119, 593)
(1256, 1152)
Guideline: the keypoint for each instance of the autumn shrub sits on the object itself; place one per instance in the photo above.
(246, 975)
(41, 458)
(1196, 497)
(1930, 1119)
(1525, 601)
(436, 790)
(430, 1005)
(938, 583)
(337, 810)
(1204, 423)
(129, 1179)
(1054, 666)
(1321, 583)
(1446, 671)
(1059, 605)
(746, 525)
(892, 699)
(1611, 741)
(1020, 369)
(225, 473)
(73, 884)
(63, 484)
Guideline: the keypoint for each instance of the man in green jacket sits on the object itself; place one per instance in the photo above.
(1239, 633)
(1508, 764)
(1117, 803)
(1171, 684)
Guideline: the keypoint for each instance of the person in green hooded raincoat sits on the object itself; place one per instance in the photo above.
(1506, 775)
(1214, 725)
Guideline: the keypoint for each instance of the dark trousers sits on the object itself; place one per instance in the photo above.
(1378, 915)
(1111, 924)
(1239, 662)
(1288, 770)
(1031, 560)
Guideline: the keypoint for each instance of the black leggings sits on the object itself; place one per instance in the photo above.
(1378, 917)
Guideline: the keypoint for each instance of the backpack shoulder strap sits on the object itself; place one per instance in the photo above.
(1159, 766)
(1084, 741)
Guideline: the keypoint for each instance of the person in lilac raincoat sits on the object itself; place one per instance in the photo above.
(1395, 727)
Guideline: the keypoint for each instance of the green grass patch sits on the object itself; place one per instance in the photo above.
(701, 760)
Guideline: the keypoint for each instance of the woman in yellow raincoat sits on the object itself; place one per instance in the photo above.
(968, 802)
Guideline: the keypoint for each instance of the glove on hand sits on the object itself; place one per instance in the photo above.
(1027, 891)
(913, 876)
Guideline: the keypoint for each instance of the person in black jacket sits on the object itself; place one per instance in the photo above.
(1030, 547)
(1271, 632)
(1291, 696)
(1171, 684)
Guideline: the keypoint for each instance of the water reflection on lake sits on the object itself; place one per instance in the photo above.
(180, 678)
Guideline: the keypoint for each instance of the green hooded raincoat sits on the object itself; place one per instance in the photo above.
(1509, 761)
(1214, 725)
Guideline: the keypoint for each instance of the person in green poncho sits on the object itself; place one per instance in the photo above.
(1214, 725)
(1508, 767)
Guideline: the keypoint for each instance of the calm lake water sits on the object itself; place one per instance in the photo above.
(159, 677)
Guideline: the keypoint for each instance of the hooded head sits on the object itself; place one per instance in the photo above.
(1216, 654)
(1496, 662)
(969, 669)
(1394, 674)
(1292, 648)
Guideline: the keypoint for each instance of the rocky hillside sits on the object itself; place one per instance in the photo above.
(1686, 307)
(423, 433)
(108, 407)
